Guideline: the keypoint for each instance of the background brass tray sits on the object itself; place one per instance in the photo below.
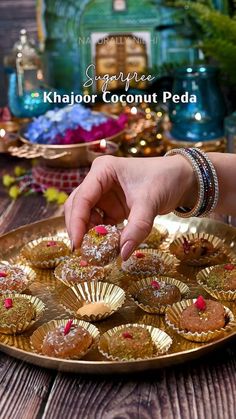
(49, 290)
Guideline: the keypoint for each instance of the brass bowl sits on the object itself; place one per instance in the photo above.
(59, 156)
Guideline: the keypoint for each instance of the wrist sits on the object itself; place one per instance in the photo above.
(188, 182)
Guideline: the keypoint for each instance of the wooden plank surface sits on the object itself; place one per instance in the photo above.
(203, 389)
(200, 390)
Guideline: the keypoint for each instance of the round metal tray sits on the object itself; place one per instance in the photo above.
(49, 290)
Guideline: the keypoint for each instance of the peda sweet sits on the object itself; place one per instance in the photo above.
(101, 245)
(158, 293)
(194, 249)
(222, 277)
(75, 270)
(141, 262)
(69, 341)
(202, 316)
(14, 311)
(131, 342)
(12, 279)
(47, 253)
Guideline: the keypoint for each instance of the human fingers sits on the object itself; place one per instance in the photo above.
(139, 225)
(96, 184)
(67, 210)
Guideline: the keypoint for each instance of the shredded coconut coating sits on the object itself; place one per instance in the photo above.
(71, 345)
(99, 249)
(149, 264)
(71, 270)
(15, 279)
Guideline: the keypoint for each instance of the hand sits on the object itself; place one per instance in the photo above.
(133, 188)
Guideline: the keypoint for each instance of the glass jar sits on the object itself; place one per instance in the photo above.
(203, 119)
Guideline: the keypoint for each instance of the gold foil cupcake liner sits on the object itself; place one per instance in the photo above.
(37, 338)
(173, 315)
(26, 250)
(216, 293)
(161, 341)
(168, 264)
(220, 250)
(144, 282)
(90, 292)
(58, 275)
(164, 234)
(39, 307)
(29, 273)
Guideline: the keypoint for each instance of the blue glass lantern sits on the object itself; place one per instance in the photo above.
(202, 120)
(26, 88)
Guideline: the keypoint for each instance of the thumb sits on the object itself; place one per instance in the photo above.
(139, 225)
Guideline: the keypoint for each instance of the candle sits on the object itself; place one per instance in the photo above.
(6, 140)
(101, 149)
(2, 133)
(103, 145)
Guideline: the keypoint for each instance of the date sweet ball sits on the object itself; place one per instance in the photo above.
(101, 245)
(203, 316)
(194, 249)
(14, 311)
(222, 277)
(12, 279)
(47, 253)
(158, 292)
(70, 341)
(76, 270)
(143, 263)
(131, 342)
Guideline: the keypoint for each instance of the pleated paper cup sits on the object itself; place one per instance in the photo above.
(154, 244)
(134, 289)
(24, 325)
(37, 338)
(168, 264)
(212, 259)
(99, 276)
(173, 315)
(30, 277)
(46, 264)
(161, 341)
(93, 292)
(219, 294)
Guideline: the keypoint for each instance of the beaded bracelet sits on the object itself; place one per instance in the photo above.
(207, 182)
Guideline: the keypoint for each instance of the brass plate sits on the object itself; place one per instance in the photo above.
(48, 289)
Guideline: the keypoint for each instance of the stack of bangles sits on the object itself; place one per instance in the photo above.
(207, 182)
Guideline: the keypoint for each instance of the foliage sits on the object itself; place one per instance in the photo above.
(214, 31)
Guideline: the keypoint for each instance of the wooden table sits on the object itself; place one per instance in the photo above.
(205, 388)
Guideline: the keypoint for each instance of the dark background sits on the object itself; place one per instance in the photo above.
(14, 15)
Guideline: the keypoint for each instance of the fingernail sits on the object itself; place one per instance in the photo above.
(72, 245)
(127, 249)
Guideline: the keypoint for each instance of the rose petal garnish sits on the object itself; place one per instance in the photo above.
(83, 263)
(200, 303)
(68, 327)
(51, 243)
(8, 303)
(186, 245)
(140, 255)
(229, 267)
(3, 274)
(127, 335)
(155, 285)
(101, 230)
